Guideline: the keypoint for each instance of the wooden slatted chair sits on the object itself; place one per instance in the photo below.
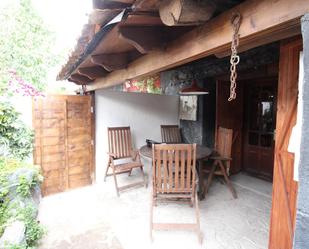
(170, 134)
(222, 159)
(174, 178)
(120, 147)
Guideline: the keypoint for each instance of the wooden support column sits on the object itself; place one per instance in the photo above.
(258, 23)
(284, 187)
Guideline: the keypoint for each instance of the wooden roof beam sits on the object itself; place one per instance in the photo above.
(111, 62)
(214, 37)
(143, 38)
(81, 79)
(110, 4)
(75, 81)
(146, 5)
(183, 13)
(93, 72)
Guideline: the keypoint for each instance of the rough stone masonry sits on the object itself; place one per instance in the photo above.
(301, 239)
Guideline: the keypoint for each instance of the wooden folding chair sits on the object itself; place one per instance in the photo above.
(174, 178)
(170, 134)
(222, 159)
(120, 147)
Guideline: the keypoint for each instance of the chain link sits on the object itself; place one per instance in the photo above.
(236, 19)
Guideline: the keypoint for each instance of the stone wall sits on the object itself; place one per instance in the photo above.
(301, 238)
(204, 71)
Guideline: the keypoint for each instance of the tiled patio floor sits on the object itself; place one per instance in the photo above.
(94, 217)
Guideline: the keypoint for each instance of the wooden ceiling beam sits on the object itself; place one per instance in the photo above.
(75, 81)
(110, 4)
(185, 13)
(146, 5)
(258, 22)
(111, 62)
(93, 72)
(80, 78)
(143, 38)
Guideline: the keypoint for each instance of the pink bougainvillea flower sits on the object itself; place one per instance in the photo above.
(19, 86)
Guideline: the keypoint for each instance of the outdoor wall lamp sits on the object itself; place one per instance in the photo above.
(194, 89)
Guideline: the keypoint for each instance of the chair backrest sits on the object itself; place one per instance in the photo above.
(170, 134)
(174, 168)
(119, 141)
(224, 142)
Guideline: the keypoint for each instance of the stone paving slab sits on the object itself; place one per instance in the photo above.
(94, 217)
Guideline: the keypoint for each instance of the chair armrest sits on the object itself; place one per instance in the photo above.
(111, 155)
(135, 155)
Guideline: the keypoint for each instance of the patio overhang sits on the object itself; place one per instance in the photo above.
(139, 44)
(119, 32)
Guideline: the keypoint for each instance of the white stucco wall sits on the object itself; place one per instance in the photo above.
(144, 113)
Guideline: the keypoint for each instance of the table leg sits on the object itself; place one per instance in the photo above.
(201, 194)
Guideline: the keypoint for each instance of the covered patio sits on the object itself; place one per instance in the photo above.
(133, 68)
(94, 217)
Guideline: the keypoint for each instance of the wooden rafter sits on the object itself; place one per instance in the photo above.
(143, 38)
(92, 72)
(111, 62)
(148, 5)
(215, 36)
(81, 79)
(109, 4)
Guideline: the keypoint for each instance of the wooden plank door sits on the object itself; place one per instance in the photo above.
(259, 127)
(284, 187)
(63, 141)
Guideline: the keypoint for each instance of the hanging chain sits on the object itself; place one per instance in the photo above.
(236, 19)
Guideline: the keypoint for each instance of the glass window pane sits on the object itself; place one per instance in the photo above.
(253, 138)
(266, 140)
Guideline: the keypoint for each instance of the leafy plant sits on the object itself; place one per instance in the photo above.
(25, 46)
(16, 138)
(34, 231)
(11, 210)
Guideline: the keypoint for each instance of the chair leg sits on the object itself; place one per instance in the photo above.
(107, 168)
(228, 182)
(210, 177)
(145, 181)
(115, 180)
(197, 212)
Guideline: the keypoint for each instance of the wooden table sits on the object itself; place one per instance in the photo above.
(202, 152)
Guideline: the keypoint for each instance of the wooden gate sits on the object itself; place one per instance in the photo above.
(284, 187)
(64, 141)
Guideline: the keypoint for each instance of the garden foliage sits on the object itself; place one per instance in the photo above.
(15, 137)
(25, 47)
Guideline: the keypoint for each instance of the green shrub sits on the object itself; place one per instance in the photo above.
(11, 210)
(15, 137)
(34, 231)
